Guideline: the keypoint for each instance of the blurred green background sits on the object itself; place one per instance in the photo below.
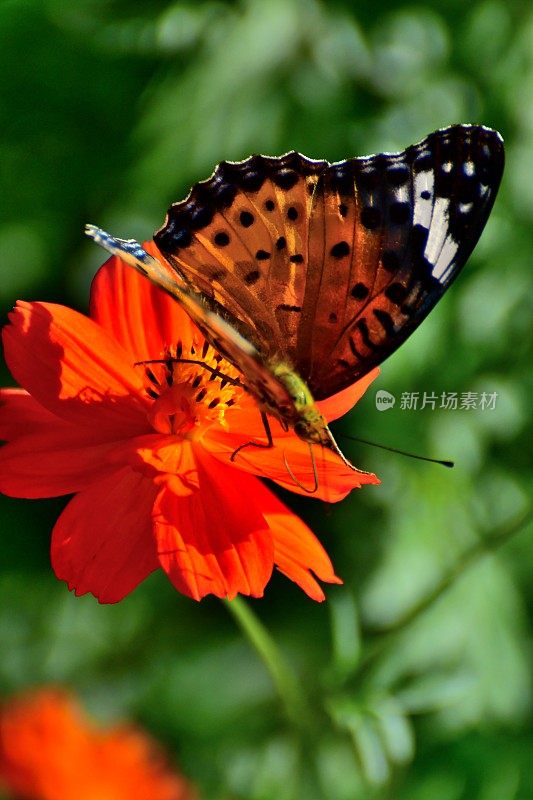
(419, 667)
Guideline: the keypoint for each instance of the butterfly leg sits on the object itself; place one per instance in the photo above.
(266, 445)
(295, 479)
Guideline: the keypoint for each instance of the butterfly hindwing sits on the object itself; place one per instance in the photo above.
(418, 215)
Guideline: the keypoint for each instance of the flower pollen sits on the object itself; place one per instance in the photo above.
(191, 388)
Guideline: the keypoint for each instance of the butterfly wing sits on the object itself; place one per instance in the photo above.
(411, 221)
(241, 239)
(259, 378)
(330, 267)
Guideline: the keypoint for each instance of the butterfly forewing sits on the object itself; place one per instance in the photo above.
(330, 267)
(251, 254)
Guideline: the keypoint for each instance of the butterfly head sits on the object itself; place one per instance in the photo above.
(311, 427)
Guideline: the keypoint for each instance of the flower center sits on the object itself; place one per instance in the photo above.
(192, 387)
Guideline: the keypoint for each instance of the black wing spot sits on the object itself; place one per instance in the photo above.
(246, 219)
(270, 205)
(182, 237)
(354, 349)
(297, 259)
(423, 162)
(359, 291)
(371, 218)
(342, 179)
(365, 335)
(419, 238)
(281, 243)
(396, 293)
(398, 174)
(369, 177)
(223, 194)
(252, 277)
(292, 213)
(386, 321)
(252, 180)
(218, 275)
(332, 317)
(340, 250)
(425, 195)
(221, 239)
(390, 260)
(343, 210)
(201, 216)
(408, 309)
(288, 307)
(262, 255)
(285, 178)
(400, 213)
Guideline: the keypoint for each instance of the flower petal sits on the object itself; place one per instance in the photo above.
(118, 286)
(74, 369)
(334, 478)
(339, 404)
(46, 456)
(103, 543)
(297, 551)
(214, 541)
(21, 414)
(53, 463)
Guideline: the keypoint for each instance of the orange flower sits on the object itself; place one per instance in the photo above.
(147, 449)
(50, 751)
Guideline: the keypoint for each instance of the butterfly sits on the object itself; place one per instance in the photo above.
(306, 274)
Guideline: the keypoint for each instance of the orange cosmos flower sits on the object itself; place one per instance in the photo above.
(147, 447)
(50, 751)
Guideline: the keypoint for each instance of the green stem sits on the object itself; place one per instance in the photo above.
(476, 551)
(283, 677)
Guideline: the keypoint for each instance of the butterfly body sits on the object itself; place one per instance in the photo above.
(306, 274)
(302, 413)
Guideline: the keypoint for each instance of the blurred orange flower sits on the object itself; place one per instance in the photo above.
(50, 751)
(147, 449)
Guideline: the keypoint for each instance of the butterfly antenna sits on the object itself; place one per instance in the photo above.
(442, 462)
(295, 479)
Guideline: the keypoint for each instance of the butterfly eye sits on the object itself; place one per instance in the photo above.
(301, 429)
